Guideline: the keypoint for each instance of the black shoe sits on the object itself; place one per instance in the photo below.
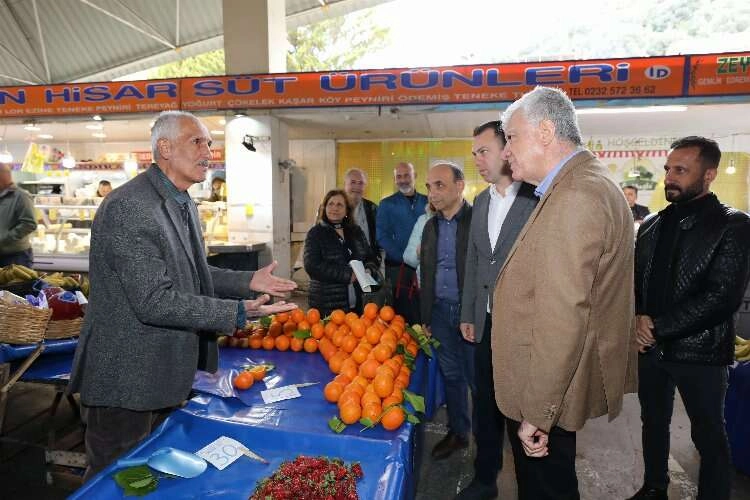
(650, 493)
(477, 490)
(450, 443)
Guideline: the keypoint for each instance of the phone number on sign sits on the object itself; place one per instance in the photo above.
(621, 90)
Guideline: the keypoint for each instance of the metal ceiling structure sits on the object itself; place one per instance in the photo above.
(61, 41)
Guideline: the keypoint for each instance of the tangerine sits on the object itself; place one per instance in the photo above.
(258, 372)
(390, 401)
(338, 317)
(358, 328)
(359, 355)
(350, 413)
(268, 343)
(297, 315)
(371, 310)
(282, 317)
(330, 329)
(372, 335)
(349, 343)
(369, 368)
(255, 341)
(397, 394)
(317, 331)
(332, 391)
(387, 313)
(296, 344)
(303, 325)
(370, 398)
(349, 397)
(282, 343)
(310, 345)
(393, 418)
(313, 316)
(383, 385)
(290, 327)
(382, 352)
(372, 411)
(243, 381)
(350, 318)
(275, 329)
(334, 364)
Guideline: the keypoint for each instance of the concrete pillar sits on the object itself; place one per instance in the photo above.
(254, 36)
(258, 188)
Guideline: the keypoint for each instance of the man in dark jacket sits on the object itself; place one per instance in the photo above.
(364, 211)
(640, 212)
(692, 264)
(17, 221)
(442, 265)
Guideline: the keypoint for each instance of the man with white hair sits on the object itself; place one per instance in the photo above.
(563, 316)
(154, 309)
(17, 221)
(365, 211)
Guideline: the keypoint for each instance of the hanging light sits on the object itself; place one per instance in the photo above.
(5, 156)
(731, 170)
(68, 160)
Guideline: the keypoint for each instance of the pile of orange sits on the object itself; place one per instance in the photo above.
(360, 350)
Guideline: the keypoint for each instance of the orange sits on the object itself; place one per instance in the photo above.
(349, 368)
(282, 343)
(296, 344)
(359, 379)
(387, 313)
(338, 317)
(290, 327)
(367, 321)
(338, 338)
(350, 413)
(349, 397)
(255, 341)
(243, 381)
(268, 343)
(355, 387)
(342, 379)
(371, 310)
(400, 319)
(390, 401)
(402, 381)
(404, 370)
(281, 317)
(349, 343)
(397, 394)
(330, 329)
(370, 398)
(373, 335)
(333, 391)
(317, 331)
(313, 316)
(412, 348)
(358, 328)
(369, 368)
(350, 318)
(359, 355)
(275, 328)
(393, 418)
(310, 345)
(297, 315)
(372, 411)
(386, 369)
(258, 372)
(334, 364)
(303, 325)
(382, 352)
(383, 385)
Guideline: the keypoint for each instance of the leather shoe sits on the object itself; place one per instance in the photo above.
(477, 490)
(650, 493)
(446, 446)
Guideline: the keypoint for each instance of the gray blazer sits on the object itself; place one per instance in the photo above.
(482, 264)
(152, 314)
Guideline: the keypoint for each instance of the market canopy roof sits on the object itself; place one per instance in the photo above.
(57, 41)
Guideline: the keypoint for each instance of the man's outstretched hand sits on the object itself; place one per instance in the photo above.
(258, 307)
(265, 282)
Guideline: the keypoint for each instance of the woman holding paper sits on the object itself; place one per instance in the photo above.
(330, 245)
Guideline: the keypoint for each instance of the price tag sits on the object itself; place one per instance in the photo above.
(280, 394)
(222, 452)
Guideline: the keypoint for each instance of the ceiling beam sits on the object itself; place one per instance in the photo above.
(127, 23)
(11, 20)
(41, 41)
(177, 23)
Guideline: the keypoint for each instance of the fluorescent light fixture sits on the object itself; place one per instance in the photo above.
(614, 110)
(6, 157)
(222, 122)
(96, 118)
(45, 136)
(94, 126)
(32, 128)
(99, 135)
(217, 132)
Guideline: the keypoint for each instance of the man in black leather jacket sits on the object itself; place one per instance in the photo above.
(692, 264)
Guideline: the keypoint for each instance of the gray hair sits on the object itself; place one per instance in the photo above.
(357, 170)
(167, 126)
(548, 103)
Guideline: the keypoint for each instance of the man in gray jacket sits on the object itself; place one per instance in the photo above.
(17, 221)
(153, 309)
(500, 211)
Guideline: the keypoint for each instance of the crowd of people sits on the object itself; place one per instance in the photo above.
(546, 312)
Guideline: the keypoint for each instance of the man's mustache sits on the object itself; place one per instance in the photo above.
(672, 186)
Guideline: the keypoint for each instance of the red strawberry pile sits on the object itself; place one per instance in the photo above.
(310, 478)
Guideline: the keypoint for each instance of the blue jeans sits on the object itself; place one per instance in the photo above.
(456, 359)
(24, 258)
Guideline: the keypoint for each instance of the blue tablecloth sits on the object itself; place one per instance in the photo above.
(10, 352)
(737, 415)
(278, 431)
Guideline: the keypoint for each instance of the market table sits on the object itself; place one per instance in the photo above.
(278, 431)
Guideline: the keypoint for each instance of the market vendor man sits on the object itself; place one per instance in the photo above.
(17, 221)
(154, 307)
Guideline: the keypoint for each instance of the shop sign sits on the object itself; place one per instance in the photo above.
(719, 74)
(598, 79)
(89, 98)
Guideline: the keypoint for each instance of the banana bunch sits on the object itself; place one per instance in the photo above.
(58, 279)
(741, 349)
(16, 273)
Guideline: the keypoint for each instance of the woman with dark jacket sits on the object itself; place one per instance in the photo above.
(329, 246)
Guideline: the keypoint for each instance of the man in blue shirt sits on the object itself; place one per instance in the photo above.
(444, 243)
(395, 219)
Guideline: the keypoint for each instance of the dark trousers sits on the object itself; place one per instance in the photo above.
(24, 258)
(405, 291)
(456, 360)
(490, 423)
(110, 432)
(702, 389)
(547, 478)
